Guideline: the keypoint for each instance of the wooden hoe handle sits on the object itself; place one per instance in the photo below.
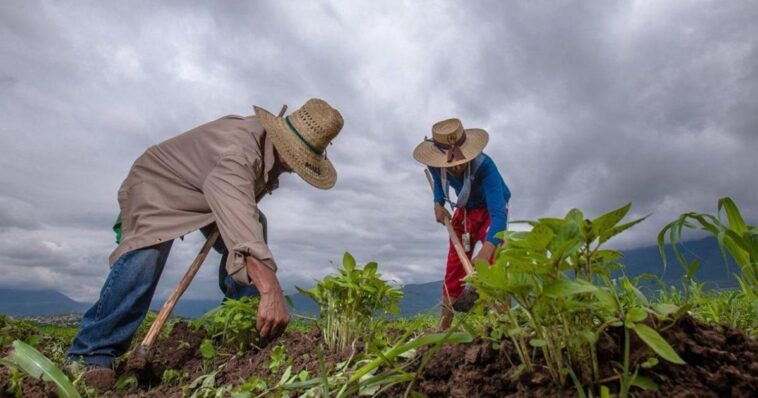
(453, 236)
(156, 327)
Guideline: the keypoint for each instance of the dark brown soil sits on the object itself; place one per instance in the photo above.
(720, 363)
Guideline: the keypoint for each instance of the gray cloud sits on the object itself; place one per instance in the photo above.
(588, 104)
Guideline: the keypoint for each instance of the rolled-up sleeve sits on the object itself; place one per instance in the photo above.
(230, 191)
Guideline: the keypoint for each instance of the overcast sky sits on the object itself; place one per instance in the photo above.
(589, 104)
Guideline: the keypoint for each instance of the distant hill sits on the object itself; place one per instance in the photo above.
(16, 302)
(713, 271)
(419, 298)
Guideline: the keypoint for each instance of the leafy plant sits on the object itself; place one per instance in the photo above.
(233, 322)
(559, 275)
(172, 377)
(734, 236)
(352, 304)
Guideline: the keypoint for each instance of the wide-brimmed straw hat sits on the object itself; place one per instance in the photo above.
(451, 144)
(302, 137)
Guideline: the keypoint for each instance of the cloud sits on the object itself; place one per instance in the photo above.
(588, 105)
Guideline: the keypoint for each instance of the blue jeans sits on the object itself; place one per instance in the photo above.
(108, 328)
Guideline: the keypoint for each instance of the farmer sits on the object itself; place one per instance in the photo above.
(455, 158)
(213, 174)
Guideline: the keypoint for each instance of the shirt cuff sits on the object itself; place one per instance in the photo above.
(236, 265)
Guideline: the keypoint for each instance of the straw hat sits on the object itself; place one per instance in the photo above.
(451, 144)
(301, 139)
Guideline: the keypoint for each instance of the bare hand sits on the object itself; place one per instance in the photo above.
(485, 253)
(441, 213)
(272, 318)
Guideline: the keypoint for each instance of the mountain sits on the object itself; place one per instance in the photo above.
(419, 298)
(16, 302)
(713, 271)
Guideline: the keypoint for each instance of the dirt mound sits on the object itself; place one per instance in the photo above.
(719, 364)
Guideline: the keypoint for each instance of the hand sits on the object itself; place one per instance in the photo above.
(272, 318)
(441, 213)
(485, 253)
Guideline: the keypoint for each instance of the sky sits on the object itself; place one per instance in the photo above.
(589, 105)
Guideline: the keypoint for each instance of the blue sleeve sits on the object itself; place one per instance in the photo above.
(438, 197)
(496, 194)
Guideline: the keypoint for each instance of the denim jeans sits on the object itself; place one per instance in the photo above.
(108, 327)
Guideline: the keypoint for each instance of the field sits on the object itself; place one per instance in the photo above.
(550, 321)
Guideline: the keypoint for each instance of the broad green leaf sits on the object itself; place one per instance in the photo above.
(539, 237)
(644, 383)
(665, 309)
(555, 224)
(575, 215)
(567, 287)
(609, 220)
(37, 365)
(608, 234)
(606, 300)
(371, 267)
(348, 261)
(608, 255)
(605, 392)
(657, 343)
(636, 314)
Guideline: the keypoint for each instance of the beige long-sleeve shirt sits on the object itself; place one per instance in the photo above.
(212, 173)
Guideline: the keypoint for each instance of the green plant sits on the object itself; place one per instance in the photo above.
(205, 387)
(233, 322)
(172, 377)
(126, 382)
(36, 365)
(736, 238)
(15, 383)
(559, 275)
(207, 350)
(352, 304)
(278, 358)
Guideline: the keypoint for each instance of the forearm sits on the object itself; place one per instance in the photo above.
(486, 252)
(263, 277)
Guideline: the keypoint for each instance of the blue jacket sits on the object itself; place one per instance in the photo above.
(487, 190)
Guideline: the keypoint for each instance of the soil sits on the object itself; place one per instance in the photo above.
(721, 362)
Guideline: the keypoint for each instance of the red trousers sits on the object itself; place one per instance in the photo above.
(477, 222)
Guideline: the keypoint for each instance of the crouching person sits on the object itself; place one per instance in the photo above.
(213, 174)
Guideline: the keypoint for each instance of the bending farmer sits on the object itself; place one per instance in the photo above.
(214, 173)
(455, 158)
